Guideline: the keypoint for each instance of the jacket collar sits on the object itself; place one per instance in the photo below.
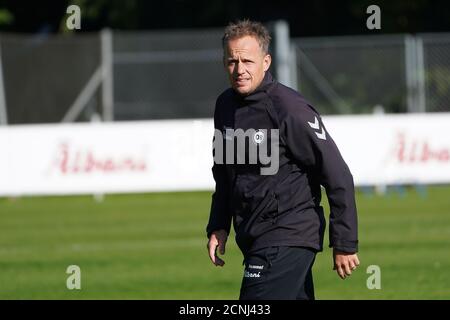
(260, 92)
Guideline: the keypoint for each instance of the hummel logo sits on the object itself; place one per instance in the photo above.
(316, 126)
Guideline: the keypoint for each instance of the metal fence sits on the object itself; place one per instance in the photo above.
(399, 73)
(42, 76)
(436, 52)
(117, 76)
(178, 74)
(352, 74)
(167, 74)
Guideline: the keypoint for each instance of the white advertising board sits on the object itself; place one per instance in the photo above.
(176, 155)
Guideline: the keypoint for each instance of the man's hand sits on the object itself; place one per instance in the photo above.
(344, 263)
(217, 239)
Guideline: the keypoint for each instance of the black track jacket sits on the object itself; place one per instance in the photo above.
(282, 209)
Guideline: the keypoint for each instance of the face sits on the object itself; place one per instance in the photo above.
(246, 64)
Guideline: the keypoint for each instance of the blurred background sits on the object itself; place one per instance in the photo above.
(151, 50)
(87, 115)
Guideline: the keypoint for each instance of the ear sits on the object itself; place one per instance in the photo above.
(267, 61)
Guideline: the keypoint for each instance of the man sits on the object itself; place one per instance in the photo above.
(277, 217)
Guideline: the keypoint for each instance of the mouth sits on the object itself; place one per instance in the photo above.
(241, 81)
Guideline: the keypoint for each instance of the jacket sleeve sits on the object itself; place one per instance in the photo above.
(220, 215)
(310, 143)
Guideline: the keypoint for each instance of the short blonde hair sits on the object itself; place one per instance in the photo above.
(242, 28)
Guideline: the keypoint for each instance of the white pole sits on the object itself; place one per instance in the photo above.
(409, 72)
(3, 110)
(293, 68)
(282, 52)
(84, 96)
(421, 107)
(107, 75)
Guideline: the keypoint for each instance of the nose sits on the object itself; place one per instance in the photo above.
(240, 68)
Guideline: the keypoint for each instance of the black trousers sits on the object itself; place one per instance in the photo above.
(278, 273)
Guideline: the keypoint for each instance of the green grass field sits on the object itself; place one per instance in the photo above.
(153, 246)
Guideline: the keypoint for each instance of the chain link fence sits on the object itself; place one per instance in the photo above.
(43, 75)
(173, 74)
(179, 74)
(397, 74)
(436, 49)
(352, 74)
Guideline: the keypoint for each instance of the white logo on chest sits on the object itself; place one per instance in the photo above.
(258, 137)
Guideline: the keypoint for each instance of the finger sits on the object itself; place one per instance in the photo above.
(219, 262)
(340, 272)
(356, 260)
(212, 251)
(352, 265)
(222, 246)
(347, 269)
